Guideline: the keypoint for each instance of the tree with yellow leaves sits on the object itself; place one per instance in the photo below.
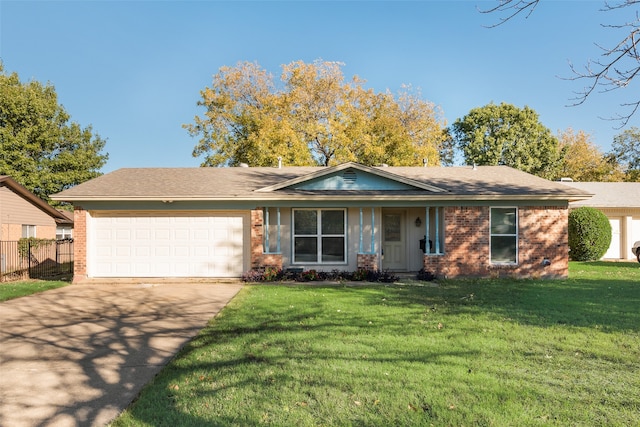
(315, 118)
(583, 161)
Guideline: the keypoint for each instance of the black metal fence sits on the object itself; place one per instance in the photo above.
(35, 259)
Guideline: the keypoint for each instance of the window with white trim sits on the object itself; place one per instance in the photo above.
(319, 236)
(504, 235)
(28, 230)
(64, 232)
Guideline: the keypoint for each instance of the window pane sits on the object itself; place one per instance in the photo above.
(305, 222)
(503, 249)
(503, 221)
(28, 231)
(333, 222)
(333, 249)
(306, 249)
(392, 228)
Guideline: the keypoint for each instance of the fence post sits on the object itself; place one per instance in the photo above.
(29, 259)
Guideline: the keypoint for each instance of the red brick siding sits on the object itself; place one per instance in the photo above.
(542, 234)
(258, 258)
(368, 262)
(79, 244)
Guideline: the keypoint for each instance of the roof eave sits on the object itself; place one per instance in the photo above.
(23, 192)
(332, 197)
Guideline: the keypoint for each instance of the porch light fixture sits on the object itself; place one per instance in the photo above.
(418, 222)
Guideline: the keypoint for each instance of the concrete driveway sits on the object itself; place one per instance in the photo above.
(78, 355)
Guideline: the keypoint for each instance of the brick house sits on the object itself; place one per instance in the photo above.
(221, 222)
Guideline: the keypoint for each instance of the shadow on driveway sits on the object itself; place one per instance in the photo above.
(78, 355)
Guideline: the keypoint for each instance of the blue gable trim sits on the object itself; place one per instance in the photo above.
(332, 178)
(352, 179)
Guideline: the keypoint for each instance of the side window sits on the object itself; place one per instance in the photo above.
(28, 231)
(63, 233)
(504, 235)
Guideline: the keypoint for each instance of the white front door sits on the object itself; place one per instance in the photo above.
(393, 241)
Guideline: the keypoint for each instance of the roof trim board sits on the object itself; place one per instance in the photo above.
(345, 166)
(59, 217)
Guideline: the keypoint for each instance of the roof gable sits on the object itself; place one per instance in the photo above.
(351, 176)
(15, 187)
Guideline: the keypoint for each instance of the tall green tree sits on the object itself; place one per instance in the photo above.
(507, 135)
(314, 116)
(39, 146)
(625, 149)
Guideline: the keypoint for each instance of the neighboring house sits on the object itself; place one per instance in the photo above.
(222, 222)
(620, 202)
(23, 214)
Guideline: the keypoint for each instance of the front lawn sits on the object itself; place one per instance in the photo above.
(10, 290)
(455, 353)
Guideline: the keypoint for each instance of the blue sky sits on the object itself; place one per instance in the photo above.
(134, 69)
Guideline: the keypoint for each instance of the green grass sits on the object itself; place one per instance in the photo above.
(462, 353)
(10, 290)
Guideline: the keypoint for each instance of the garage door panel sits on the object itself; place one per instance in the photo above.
(164, 246)
(613, 252)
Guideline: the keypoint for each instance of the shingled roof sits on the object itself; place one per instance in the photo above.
(609, 194)
(253, 183)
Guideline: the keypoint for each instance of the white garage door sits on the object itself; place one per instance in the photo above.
(157, 245)
(614, 248)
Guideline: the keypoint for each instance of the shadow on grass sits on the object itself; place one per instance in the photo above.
(316, 327)
(263, 350)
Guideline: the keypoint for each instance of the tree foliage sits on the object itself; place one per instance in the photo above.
(626, 151)
(589, 234)
(39, 147)
(619, 65)
(583, 161)
(507, 135)
(314, 117)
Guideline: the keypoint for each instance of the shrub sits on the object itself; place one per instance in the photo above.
(382, 276)
(589, 234)
(309, 276)
(253, 276)
(425, 275)
(271, 273)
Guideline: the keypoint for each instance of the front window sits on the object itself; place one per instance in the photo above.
(504, 235)
(319, 235)
(28, 231)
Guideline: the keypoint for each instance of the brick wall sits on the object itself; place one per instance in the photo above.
(368, 262)
(542, 235)
(258, 258)
(79, 244)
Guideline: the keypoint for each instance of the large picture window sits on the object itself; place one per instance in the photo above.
(504, 235)
(319, 236)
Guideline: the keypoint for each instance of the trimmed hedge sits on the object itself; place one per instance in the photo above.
(589, 234)
(271, 274)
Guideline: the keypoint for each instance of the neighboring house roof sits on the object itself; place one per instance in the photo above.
(13, 185)
(267, 183)
(609, 194)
